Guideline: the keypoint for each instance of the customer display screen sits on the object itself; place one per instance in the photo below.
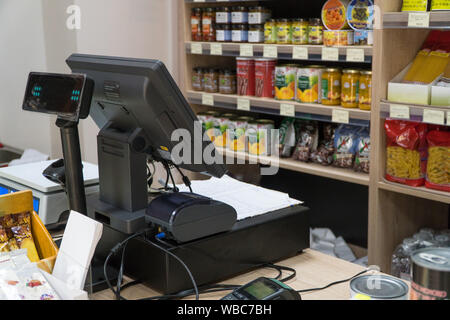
(54, 94)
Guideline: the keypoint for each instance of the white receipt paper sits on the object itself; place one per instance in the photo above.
(80, 239)
(247, 199)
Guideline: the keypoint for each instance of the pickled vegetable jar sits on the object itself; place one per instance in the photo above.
(315, 31)
(284, 34)
(350, 88)
(331, 87)
(300, 31)
(365, 90)
(270, 31)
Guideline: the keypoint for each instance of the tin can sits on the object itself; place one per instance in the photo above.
(209, 123)
(338, 38)
(363, 37)
(378, 287)
(309, 84)
(220, 135)
(430, 274)
(265, 77)
(245, 76)
(236, 138)
(259, 137)
(285, 82)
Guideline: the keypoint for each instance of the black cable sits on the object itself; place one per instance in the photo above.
(333, 283)
(186, 180)
(120, 275)
(280, 270)
(190, 292)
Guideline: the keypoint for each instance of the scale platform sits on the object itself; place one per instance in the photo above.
(49, 198)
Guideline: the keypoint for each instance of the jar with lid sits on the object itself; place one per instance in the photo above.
(331, 87)
(208, 23)
(196, 24)
(284, 34)
(270, 31)
(258, 15)
(365, 90)
(239, 15)
(223, 15)
(227, 81)
(197, 79)
(239, 33)
(300, 31)
(315, 31)
(223, 32)
(350, 88)
(212, 80)
(256, 33)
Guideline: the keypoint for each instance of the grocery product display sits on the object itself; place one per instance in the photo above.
(425, 5)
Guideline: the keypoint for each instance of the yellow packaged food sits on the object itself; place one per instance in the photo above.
(308, 84)
(350, 88)
(334, 14)
(331, 87)
(285, 82)
(415, 5)
(440, 5)
(365, 90)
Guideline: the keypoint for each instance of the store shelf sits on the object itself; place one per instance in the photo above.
(311, 111)
(221, 1)
(415, 111)
(340, 174)
(285, 52)
(420, 192)
(399, 20)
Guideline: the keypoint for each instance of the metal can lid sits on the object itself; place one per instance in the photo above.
(379, 286)
(432, 258)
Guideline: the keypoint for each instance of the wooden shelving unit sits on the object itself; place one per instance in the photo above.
(395, 211)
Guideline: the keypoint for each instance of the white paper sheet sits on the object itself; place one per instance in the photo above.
(248, 200)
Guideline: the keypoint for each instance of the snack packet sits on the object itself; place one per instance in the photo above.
(324, 153)
(287, 137)
(308, 140)
(362, 159)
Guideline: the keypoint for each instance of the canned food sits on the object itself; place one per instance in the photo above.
(259, 137)
(236, 138)
(220, 135)
(338, 38)
(334, 14)
(360, 14)
(350, 88)
(209, 123)
(331, 87)
(265, 77)
(245, 76)
(364, 37)
(430, 273)
(378, 287)
(285, 80)
(309, 84)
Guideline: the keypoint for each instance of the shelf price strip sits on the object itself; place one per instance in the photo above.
(216, 49)
(270, 52)
(196, 48)
(434, 116)
(330, 54)
(208, 99)
(340, 116)
(300, 53)
(399, 112)
(419, 19)
(287, 110)
(243, 104)
(246, 50)
(355, 55)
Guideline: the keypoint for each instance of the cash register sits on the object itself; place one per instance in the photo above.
(137, 106)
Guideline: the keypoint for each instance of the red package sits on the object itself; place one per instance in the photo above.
(438, 167)
(406, 152)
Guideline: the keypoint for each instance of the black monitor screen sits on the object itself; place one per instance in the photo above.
(54, 94)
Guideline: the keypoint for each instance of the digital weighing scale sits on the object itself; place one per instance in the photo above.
(49, 198)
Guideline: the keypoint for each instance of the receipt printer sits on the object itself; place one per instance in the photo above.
(187, 216)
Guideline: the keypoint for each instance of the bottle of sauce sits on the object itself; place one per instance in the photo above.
(196, 24)
(208, 25)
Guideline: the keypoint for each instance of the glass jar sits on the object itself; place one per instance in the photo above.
(223, 32)
(196, 24)
(208, 22)
(256, 33)
(331, 87)
(350, 88)
(270, 31)
(227, 81)
(197, 79)
(239, 33)
(223, 15)
(258, 15)
(212, 80)
(300, 31)
(315, 31)
(365, 90)
(239, 15)
(284, 35)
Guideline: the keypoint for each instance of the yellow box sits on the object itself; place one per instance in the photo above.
(23, 201)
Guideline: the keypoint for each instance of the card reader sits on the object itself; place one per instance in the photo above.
(264, 289)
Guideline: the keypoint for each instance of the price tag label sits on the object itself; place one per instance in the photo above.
(330, 54)
(340, 116)
(243, 104)
(199, 0)
(287, 110)
(419, 19)
(216, 49)
(270, 52)
(355, 55)
(196, 48)
(434, 116)
(448, 118)
(246, 50)
(300, 53)
(208, 99)
(399, 111)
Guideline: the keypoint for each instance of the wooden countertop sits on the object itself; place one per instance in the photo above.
(314, 269)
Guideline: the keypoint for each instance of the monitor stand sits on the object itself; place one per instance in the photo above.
(122, 165)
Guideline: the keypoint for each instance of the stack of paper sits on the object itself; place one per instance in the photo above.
(248, 200)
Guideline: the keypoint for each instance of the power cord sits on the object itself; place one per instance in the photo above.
(333, 283)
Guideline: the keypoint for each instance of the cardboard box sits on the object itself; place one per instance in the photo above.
(409, 92)
(440, 96)
(23, 201)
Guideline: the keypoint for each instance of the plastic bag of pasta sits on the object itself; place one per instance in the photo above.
(406, 152)
(438, 165)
